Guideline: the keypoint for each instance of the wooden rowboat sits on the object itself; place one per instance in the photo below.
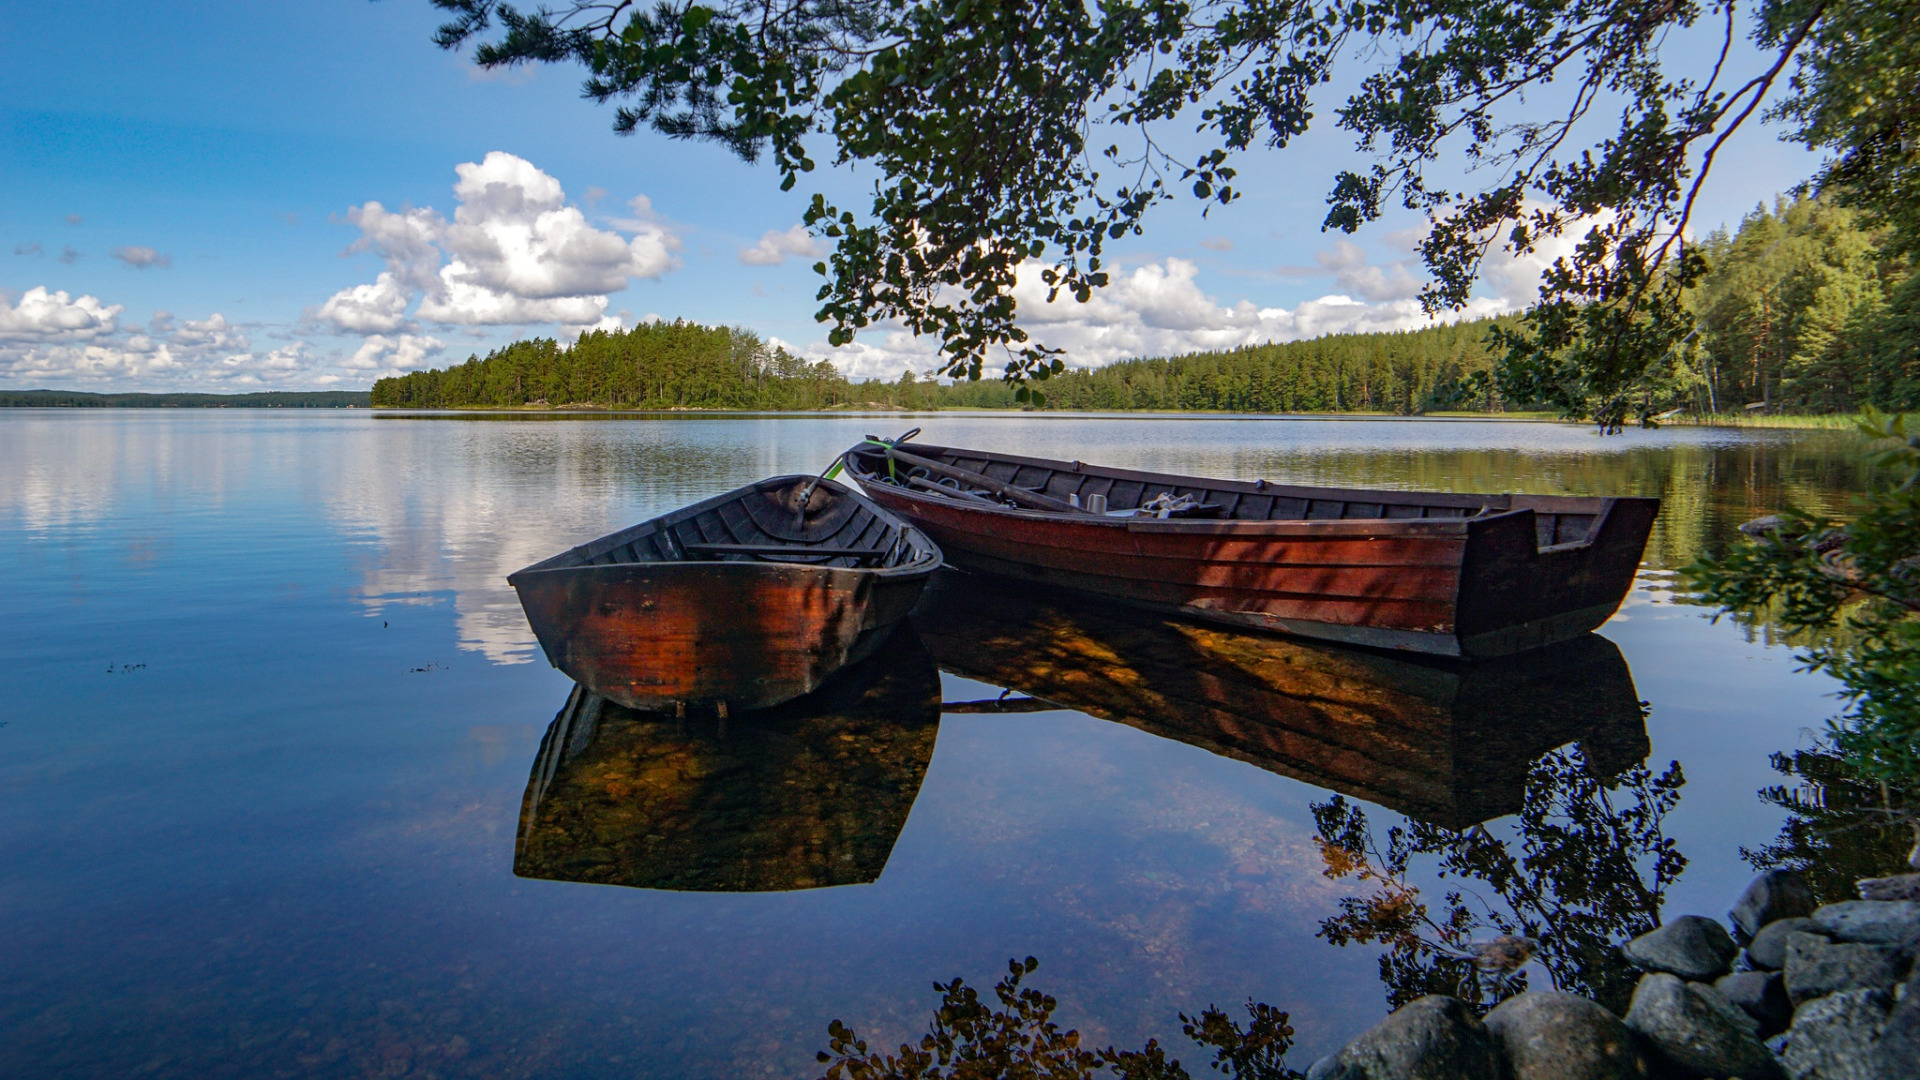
(746, 600)
(1441, 741)
(808, 794)
(1431, 572)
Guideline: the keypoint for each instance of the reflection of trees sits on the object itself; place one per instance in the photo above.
(1840, 826)
(1586, 867)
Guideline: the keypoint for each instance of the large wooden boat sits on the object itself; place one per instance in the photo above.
(1431, 572)
(745, 600)
(1442, 741)
(809, 794)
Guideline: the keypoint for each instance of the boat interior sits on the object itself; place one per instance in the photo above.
(788, 519)
(1558, 520)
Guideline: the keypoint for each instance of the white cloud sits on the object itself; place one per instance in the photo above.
(392, 355)
(50, 338)
(142, 258)
(379, 308)
(775, 246)
(47, 316)
(1352, 273)
(515, 252)
(1159, 309)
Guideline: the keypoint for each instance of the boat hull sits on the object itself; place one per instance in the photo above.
(746, 600)
(1475, 586)
(655, 635)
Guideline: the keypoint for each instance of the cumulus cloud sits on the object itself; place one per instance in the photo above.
(1217, 243)
(69, 256)
(1158, 309)
(515, 252)
(775, 246)
(142, 258)
(379, 308)
(1354, 274)
(74, 219)
(51, 316)
(392, 355)
(26, 249)
(51, 337)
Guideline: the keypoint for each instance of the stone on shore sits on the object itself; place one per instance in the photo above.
(1774, 895)
(1698, 1031)
(1548, 1035)
(1898, 887)
(1873, 922)
(1691, 946)
(1768, 949)
(1761, 995)
(1432, 1038)
(1817, 967)
(1833, 1038)
(1898, 1051)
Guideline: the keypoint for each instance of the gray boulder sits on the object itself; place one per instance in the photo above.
(1432, 1038)
(1690, 946)
(1833, 1038)
(1898, 887)
(1761, 995)
(1875, 922)
(1774, 895)
(1768, 949)
(1548, 1035)
(1817, 967)
(1898, 1051)
(1699, 1032)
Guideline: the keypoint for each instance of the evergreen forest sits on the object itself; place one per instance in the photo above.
(1801, 310)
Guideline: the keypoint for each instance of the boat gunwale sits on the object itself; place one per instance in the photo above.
(577, 558)
(1504, 502)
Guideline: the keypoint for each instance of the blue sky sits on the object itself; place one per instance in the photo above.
(205, 195)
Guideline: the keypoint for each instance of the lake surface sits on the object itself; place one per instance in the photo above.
(271, 711)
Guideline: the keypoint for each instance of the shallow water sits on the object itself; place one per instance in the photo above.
(271, 712)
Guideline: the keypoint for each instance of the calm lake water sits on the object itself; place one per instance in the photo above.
(271, 710)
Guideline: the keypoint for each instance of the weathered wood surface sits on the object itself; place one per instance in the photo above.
(804, 795)
(1442, 741)
(1432, 572)
(698, 607)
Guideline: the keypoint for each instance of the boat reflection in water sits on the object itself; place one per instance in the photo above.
(804, 795)
(1441, 742)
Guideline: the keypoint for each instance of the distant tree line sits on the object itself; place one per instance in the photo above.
(660, 365)
(273, 399)
(1802, 308)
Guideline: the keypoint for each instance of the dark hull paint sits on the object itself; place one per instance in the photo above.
(1443, 574)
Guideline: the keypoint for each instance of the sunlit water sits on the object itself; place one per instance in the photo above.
(270, 711)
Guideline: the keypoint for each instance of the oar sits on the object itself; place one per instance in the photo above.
(1031, 499)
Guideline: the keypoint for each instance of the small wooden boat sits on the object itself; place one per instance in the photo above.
(810, 794)
(1440, 573)
(745, 600)
(1441, 741)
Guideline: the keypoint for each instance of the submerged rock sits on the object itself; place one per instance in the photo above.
(1874, 922)
(1833, 1038)
(1774, 895)
(1691, 946)
(1898, 887)
(1433, 1038)
(1817, 967)
(1761, 995)
(1548, 1035)
(1699, 1032)
(1768, 949)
